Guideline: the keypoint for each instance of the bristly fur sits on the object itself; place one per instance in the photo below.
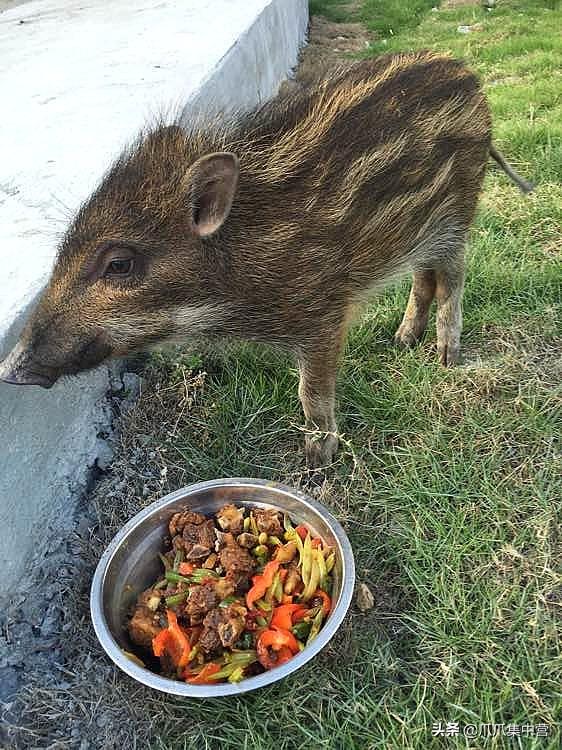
(371, 172)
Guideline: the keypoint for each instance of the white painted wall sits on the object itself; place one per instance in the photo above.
(77, 80)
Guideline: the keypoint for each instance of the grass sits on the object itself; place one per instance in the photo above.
(393, 17)
(448, 482)
(334, 10)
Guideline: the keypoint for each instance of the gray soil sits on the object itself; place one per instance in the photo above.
(58, 690)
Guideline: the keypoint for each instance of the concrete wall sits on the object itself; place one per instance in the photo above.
(78, 79)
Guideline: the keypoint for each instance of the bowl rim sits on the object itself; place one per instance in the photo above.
(175, 687)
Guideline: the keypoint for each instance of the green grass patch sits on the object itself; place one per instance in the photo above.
(390, 18)
(334, 10)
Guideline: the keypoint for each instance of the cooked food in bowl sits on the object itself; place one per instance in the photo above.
(241, 592)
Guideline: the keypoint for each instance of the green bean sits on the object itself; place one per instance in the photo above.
(287, 525)
(177, 578)
(200, 573)
(243, 657)
(178, 558)
(236, 663)
(224, 672)
(316, 625)
(301, 630)
(298, 541)
(306, 564)
(237, 675)
(270, 593)
(171, 601)
(321, 567)
(312, 584)
(277, 588)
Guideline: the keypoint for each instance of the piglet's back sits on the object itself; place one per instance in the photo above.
(369, 154)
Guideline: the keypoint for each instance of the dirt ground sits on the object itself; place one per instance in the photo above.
(58, 690)
(329, 44)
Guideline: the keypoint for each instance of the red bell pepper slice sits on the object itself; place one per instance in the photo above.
(264, 656)
(165, 642)
(160, 642)
(262, 583)
(315, 543)
(186, 568)
(299, 613)
(203, 677)
(180, 638)
(283, 655)
(302, 531)
(173, 641)
(281, 643)
(283, 616)
(277, 638)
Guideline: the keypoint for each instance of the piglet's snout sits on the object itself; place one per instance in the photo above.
(19, 369)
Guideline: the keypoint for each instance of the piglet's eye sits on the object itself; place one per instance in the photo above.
(119, 267)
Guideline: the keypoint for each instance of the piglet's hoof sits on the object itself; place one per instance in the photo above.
(320, 450)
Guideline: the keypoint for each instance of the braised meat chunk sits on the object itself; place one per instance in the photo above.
(247, 540)
(224, 587)
(201, 600)
(230, 518)
(267, 520)
(237, 562)
(194, 534)
(232, 624)
(145, 622)
(223, 626)
(179, 520)
(209, 639)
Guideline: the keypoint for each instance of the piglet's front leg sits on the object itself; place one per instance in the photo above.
(318, 368)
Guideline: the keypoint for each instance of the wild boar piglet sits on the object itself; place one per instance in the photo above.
(274, 226)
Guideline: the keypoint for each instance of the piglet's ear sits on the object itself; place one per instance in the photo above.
(211, 184)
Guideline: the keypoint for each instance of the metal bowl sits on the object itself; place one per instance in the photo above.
(130, 564)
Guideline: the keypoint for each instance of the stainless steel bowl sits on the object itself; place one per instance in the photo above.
(130, 564)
